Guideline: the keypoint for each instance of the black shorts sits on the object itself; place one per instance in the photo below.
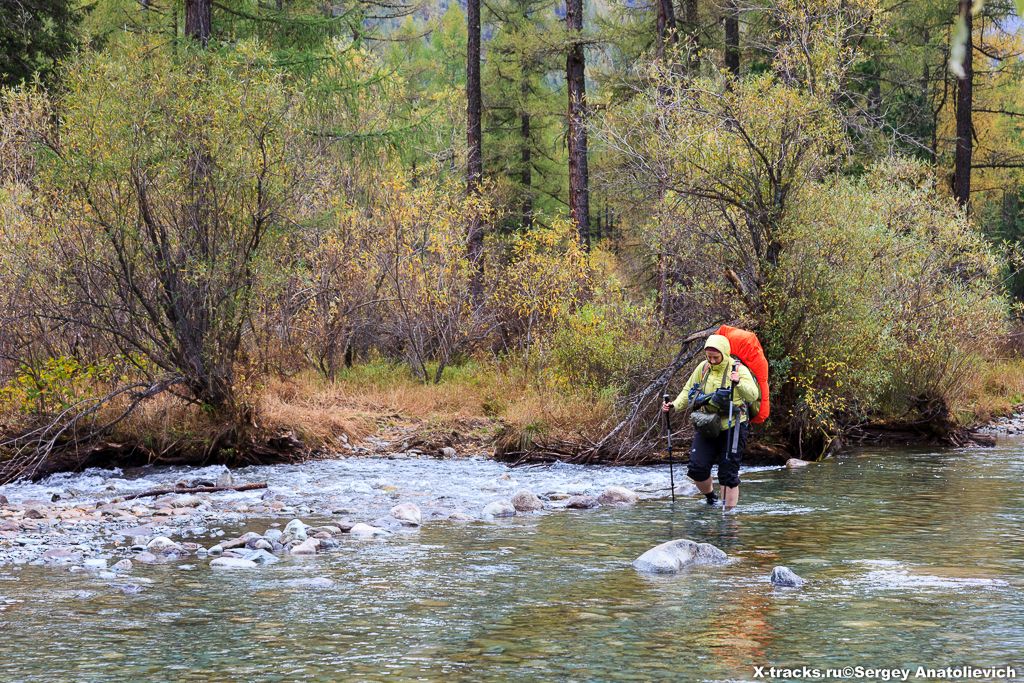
(706, 452)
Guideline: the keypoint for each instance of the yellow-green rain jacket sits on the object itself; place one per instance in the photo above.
(746, 390)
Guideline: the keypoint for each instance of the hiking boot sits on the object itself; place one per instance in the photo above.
(712, 498)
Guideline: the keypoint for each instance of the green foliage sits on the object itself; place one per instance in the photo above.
(603, 348)
(883, 301)
(55, 384)
(34, 36)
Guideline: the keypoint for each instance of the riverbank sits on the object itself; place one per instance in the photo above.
(546, 595)
(96, 516)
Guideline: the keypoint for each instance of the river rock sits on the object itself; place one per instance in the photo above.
(671, 557)
(617, 495)
(460, 517)
(95, 564)
(582, 502)
(272, 535)
(366, 531)
(260, 557)
(163, 545)
(448, 452)
(124, 565)
(35, 512)
(147, 558)
(785, 578)
(216, 549)
(243, 540)
(408, 514)
(794, 463)
(263, 544)
(307, 547)
(526, 500)
(232, 563)
(61, 556)
(295, 530)
(499, 508)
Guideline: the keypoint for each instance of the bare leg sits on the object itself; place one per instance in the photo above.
(705, 486)
(731, 496)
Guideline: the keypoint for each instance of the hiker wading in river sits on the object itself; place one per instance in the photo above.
(718, 382)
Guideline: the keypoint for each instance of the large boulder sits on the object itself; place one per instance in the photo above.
(408, 514)
(499, 508)
(795, 463)
(526, 500)
(673, 556)
(617, 495)
(785, 578)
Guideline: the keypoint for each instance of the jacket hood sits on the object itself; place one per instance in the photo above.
(721, 344)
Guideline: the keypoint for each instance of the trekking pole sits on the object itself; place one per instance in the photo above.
(668, 437)
(731, 435)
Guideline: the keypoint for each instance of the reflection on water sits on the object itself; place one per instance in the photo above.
(913, 558)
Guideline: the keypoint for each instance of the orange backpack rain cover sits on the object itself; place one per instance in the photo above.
(747, 348)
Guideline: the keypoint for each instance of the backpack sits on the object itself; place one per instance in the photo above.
(746, 347)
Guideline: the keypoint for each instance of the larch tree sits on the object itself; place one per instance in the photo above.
(575, 76)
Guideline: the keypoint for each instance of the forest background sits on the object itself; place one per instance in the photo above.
(254, 230)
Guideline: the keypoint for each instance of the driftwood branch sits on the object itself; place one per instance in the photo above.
(196, 489)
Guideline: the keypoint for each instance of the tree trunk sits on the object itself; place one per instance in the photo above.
(732, 38)
(526, 161)
(964, 102)
(198, 21)
(575, 76)
(474, 140)
(667, 34)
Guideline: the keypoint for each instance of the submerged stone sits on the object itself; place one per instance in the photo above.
(499, 508)
(366, 531)
(673, 556)
(232, 563)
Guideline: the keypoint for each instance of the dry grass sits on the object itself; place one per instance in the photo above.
(371, 397)
(996, 389)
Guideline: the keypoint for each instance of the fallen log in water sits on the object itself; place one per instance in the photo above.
(196, 489)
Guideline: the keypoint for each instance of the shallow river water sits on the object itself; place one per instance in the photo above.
(913, 558)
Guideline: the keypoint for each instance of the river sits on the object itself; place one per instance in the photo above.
(913, 558)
